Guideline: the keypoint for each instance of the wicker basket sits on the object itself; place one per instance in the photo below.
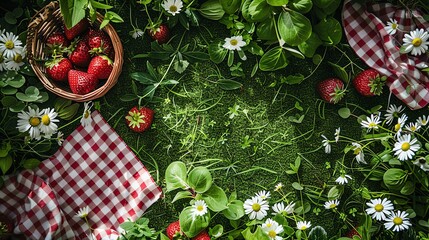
(49, 20)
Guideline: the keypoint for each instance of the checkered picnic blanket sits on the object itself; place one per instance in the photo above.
(364, 28)
(95, 168)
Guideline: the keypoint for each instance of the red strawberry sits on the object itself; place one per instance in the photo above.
(202, 236)
(99, 42)
(369, 83)
(139, 120)
(57, 39)
(77, 29)
(100, 66)
(82, 82)
(58, 68)
(80, 55)
(160, 34)
(352, 232)
(173, 230)
(331, 90)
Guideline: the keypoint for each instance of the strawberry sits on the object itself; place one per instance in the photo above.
(77, 29)
(139, 119)
(57, 39)
(331, 90)
(99, 42)
(369, 83)
(352, 232)
(82, 82)
(101, 66)
(173, 230)
(160, 34)
(80, 55)
(202, 236)
(58, 68)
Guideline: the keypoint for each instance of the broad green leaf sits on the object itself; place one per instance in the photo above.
(344, 112)
(217, 52)
(394, 178)
(254, 48)
(10, 18)
(408, 188)
(309, 47)
(259, 10)
(277, 3)
(328, 8)
(212, 10)
(9, 101)
(318, 233)
(230, 58)
(200, 179)
(127, 225)
(294, 28)
(196, 56)
(258, 234)
(175, 176)
(23, 97)
(273, 60)
(5, 163)
(99, 5)
(329, 31)
(228, 84)
(297, 186)
(182, 195)
(230, 6)
(215, 198)
(245, 10)
(151, 71)
(17, 81)
(340, 72)
(128, 97)
(216, 231)
(302, 6)
(191, 226)
(68, 112)
(293, 79)
(335, 192)
(73, 11)
(31, 163)
(5, 147)
(234, 211)
(18, 107)
(18, 11)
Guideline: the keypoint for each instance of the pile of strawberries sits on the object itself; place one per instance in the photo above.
(81, 57)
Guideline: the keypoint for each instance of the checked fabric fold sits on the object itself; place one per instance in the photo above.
(364, 28)
(95, 168)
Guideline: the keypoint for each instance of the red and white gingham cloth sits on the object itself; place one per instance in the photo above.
(95, 168)
(364, 28)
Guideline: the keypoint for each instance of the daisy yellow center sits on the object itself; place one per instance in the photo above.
(394, 25)
(357, 151)
(86, 115)
(256, 207)
(424, 122)
(397, 221)
(269, 225)
(9, 44)
(379, 207)
(272, 234)
(200, 208)
(17, 58)
(46, 120)
(397, 127)
(417, 42)
(372, 125)
(34, 121)
(173, 8)
(405, 146)
(303, 227)
(333, 205)
(413, 128)
(233, 42)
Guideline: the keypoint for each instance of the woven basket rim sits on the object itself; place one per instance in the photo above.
(34, 41)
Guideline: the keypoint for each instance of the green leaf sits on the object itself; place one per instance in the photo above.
(31, 163)
(151, 71)
(230, 6)
(408, 188)
(259, 10)
(335, 192)
(18, 107)
(99, 5)
(217, 52)
(5, 163)
(297, 186)
(127, 226)
(277, 3)
(16, 81)
(302, 6)
(200, 179)
(344, 112)
(197, 56)
(182, 195)
(191, 226)
(228, 84)
(215, 198)
(329, 31)
(128, 97)
(309, 47)
(266, 30)
(340, 72)
(273, 60)
(234, 211)
(5, 147)
(394, 178)
(175, 176)
(293, 79)
(17, 12)
(73, 11)
(9, 101)
(68, 112)
(216, 231)
(317, 233)
(294, 28)
(180, 65)
(10, 18)
(258, 234)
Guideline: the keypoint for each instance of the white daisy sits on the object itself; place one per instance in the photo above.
(371, 122)
(48, 126)
(413, 127)
(400, 124)
(422, 164)
(422, 121)
(303, 225)
(83, 212)
(86, 119)
(279, 208)
(379, 209)
(30, 121)
(332, 204)
(9, 45)
(391, 27)
(343, 179)
(234, 43)
(405, 148)
(60, 138)
(415, 42)
(2, 63)
(16, 62)
(398, 221)
(422, 65)
(358, 151)
(272, 229)
(264, 195)
(256, 208)
(326, 144)
(199, 208)
(393, 112)
(172, 6)
(337, 134)
(278, 187)
(136, 33)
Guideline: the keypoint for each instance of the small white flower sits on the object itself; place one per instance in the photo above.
(358, 151)
(256, 208)
(393, 112)
(413, 127)
(16, 62)
(278, 187)
(405, 148)
(86, 119)
(422, 121)
(399, 125)
(172, 6)
(326, 144)
(48, 126)
(30, 121)
(422, 164)
(337, 134)
(416, 42)
(234, 43)
(279, 208)
(83, 212)
(303, 225)
(9, 45)
(272, 229)
(264, 195)
(199, 208)
(343, 179)
(371, 122)
(332, 204)
(379, 208)
(398, 221)
(60, 138)
(136, 33)
(391, 27)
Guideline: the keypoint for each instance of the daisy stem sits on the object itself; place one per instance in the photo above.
(69, 123)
